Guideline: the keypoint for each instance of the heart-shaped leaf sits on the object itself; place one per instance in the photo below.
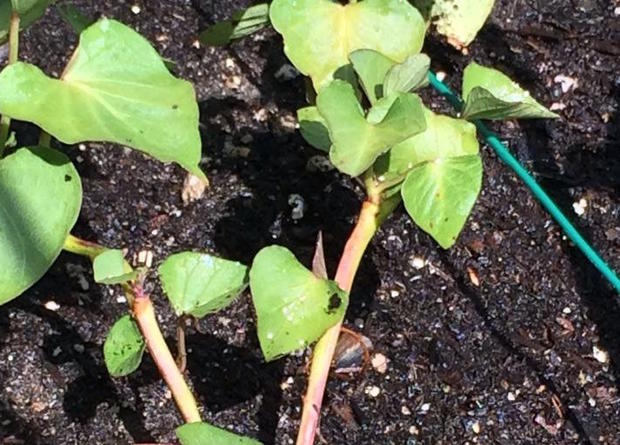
(444, 137)
(201, 433)
(123, 347)
(490, 94)
(198, 284)
(458, 20)
(440, 194)
(313, 128)
(243, 23)
(408, 76)
(319, 35)
(40, 199)
(116, 88)
(293, 306)
(371, 68)
(110, 267)
(357, 141)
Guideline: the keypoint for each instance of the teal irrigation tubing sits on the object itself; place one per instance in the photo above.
(505, 155)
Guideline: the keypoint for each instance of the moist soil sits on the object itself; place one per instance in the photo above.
(510, 337)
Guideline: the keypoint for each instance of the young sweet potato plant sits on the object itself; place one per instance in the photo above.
(363, 59)
(115, 88)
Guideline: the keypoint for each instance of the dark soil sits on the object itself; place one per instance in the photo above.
(519, 358)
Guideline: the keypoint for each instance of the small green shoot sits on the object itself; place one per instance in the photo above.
(123, 347)
(201, 433)
(199, 284)
(242, 24)
(490, 94)
(110, 267)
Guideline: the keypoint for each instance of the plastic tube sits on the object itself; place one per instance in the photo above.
(505, 155)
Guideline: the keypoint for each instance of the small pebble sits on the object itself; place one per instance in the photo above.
(418, 263)
(379, 362)
(475, 427)
(405, 411)
(78, 348)
(511, 396)
(600, 355)
(580, 206)
(425, 407)
(135, 9)
(373, 391)
(52, 306)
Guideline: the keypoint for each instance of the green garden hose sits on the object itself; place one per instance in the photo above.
(505, 155)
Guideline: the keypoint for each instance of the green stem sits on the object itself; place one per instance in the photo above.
(5, 121)
(144, 313)
(371, 216)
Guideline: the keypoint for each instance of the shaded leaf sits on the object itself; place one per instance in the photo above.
(198, 284)
(490, 94)
(371, 68)
(357, 141)
(123, 347)
(293, 306)
(439, 195)
(28, 10)
(313, 128)
(201, 433)
(110, 267)
(243, 23)
(319, 35)
(74, 17)
(116, 88)
(408, 76)
(40, 199)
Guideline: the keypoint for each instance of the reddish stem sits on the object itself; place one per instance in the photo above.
(367, 225)
(156, 344)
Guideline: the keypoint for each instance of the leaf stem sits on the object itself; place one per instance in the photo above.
(5, 121)
(371, 216)
(144, 313)
(145, 316)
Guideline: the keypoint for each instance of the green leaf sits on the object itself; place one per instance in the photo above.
(458, 20)
(123, 347)
(293, 306)
(313, 128)
(201, 433)
(490, 94)
(40, 199)
(198, 284)
(243, 23)
(357, 141)
(408, 76)
(74, 17)
(116, 88)
(111, 268)
(444, 137)
(29, 11)
(371, 68)
(319, 35)
(440, 194)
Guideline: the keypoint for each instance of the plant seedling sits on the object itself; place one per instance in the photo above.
(115, 88)
(365, 64)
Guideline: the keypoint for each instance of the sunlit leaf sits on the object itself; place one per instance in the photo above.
(439, 195)
(371, 67)
(444, 137)
(458, 20)
(293, 306)
(490, 94)
(408, 76)
(40, 199)
(319, 35)
(358, 141)
(243, 23)
(110, 267)
(198, 284)
(116, 88)
(201, 433)
(123, 347)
